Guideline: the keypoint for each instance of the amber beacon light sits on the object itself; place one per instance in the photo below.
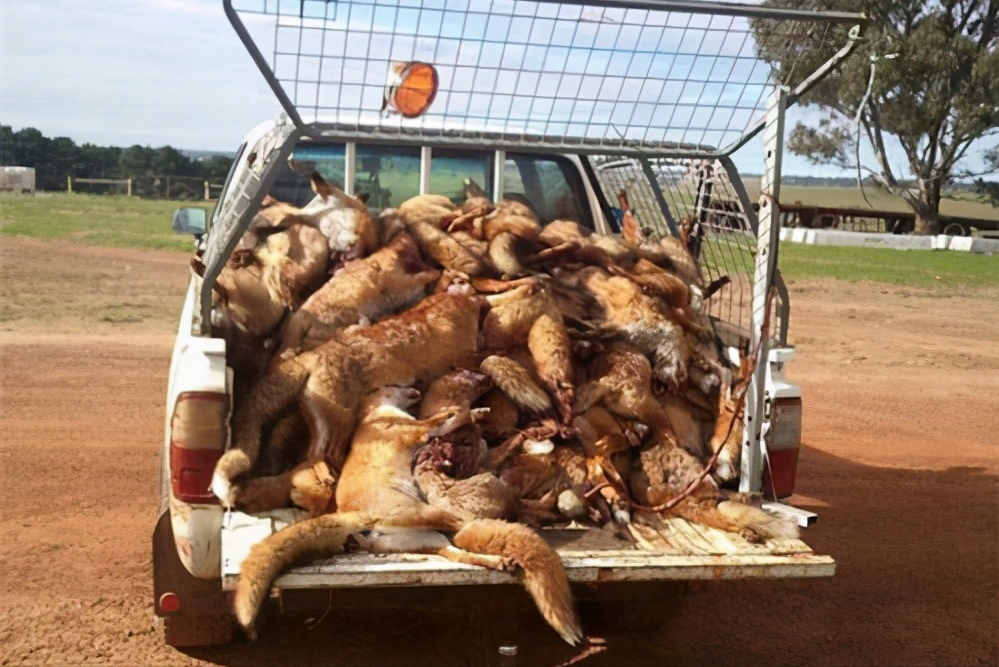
(411, 88)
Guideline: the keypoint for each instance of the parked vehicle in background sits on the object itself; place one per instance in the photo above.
(17, 179)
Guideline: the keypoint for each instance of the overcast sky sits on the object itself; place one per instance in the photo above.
(158, 72)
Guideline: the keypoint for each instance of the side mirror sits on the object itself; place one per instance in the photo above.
(190, 220)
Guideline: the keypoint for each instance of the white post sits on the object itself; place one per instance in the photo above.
(499, 169)
(129, 187)
(425, 155)
(767, 235)
(69, 185)
(207, 192)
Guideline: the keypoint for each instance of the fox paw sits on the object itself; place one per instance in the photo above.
(507, 564)
(224, 490)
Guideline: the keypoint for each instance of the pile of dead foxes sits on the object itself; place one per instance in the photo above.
(443, 379)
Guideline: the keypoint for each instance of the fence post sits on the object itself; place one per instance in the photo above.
(206, 191)
(69, 185)
(129, 187)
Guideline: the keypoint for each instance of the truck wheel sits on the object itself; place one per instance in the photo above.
(640, 614)
(203, 617)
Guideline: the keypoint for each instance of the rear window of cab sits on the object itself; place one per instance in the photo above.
(390, 175)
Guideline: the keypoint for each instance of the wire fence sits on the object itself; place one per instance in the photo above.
(181, 188)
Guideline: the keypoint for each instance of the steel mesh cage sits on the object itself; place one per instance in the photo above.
(702, 200)
(610, 76)
(654, 96)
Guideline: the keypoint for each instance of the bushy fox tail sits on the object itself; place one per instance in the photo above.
(308, 539)
(542, 573)
(763, 523)
(516, 382)
(272, 394)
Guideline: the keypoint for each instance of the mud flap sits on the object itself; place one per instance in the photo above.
(204, 617)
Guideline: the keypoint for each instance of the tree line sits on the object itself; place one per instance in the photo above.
(923, 74)
(55, 159)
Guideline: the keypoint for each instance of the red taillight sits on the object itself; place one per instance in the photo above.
(169, 603)
(197, 439)
(783, 448)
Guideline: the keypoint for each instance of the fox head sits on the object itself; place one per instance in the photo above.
(473, 189)
(244, 298)
(329, 196)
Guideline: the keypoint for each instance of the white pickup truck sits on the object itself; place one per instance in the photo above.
(198, 547)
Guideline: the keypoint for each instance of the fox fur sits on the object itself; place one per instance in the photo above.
(517, 383)
(458, 388)
(663, 471)
(657, 281)
(298, 256)
(327, 382)
(501, 419)
(445, 249)
(350, 230)
(512, 314)
(548, 342)
(503, 256)
(253, 303)
(365, 290)
(432, 209)
(512, 204)
(372, 493)
(640, 320)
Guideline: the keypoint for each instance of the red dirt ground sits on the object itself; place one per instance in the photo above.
(901, 461)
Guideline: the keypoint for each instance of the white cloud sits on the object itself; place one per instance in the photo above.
(158, 72)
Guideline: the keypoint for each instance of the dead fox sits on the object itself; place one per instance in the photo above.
(421, 343)
(363, 291)
(642, 322)
(257, 287)
(376, 494)
(349, 228)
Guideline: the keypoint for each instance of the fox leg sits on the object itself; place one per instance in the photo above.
(272, 395)
(706, 512)
(498, 563)
(261, 494)
(313, 488)
(541, 570)
(331, 421)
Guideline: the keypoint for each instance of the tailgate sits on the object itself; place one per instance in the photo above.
(667, 549)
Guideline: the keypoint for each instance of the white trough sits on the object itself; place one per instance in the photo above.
(899, 242)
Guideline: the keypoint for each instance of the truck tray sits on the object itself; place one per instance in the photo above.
(666, 549)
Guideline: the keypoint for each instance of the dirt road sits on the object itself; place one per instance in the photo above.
(901, 461)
